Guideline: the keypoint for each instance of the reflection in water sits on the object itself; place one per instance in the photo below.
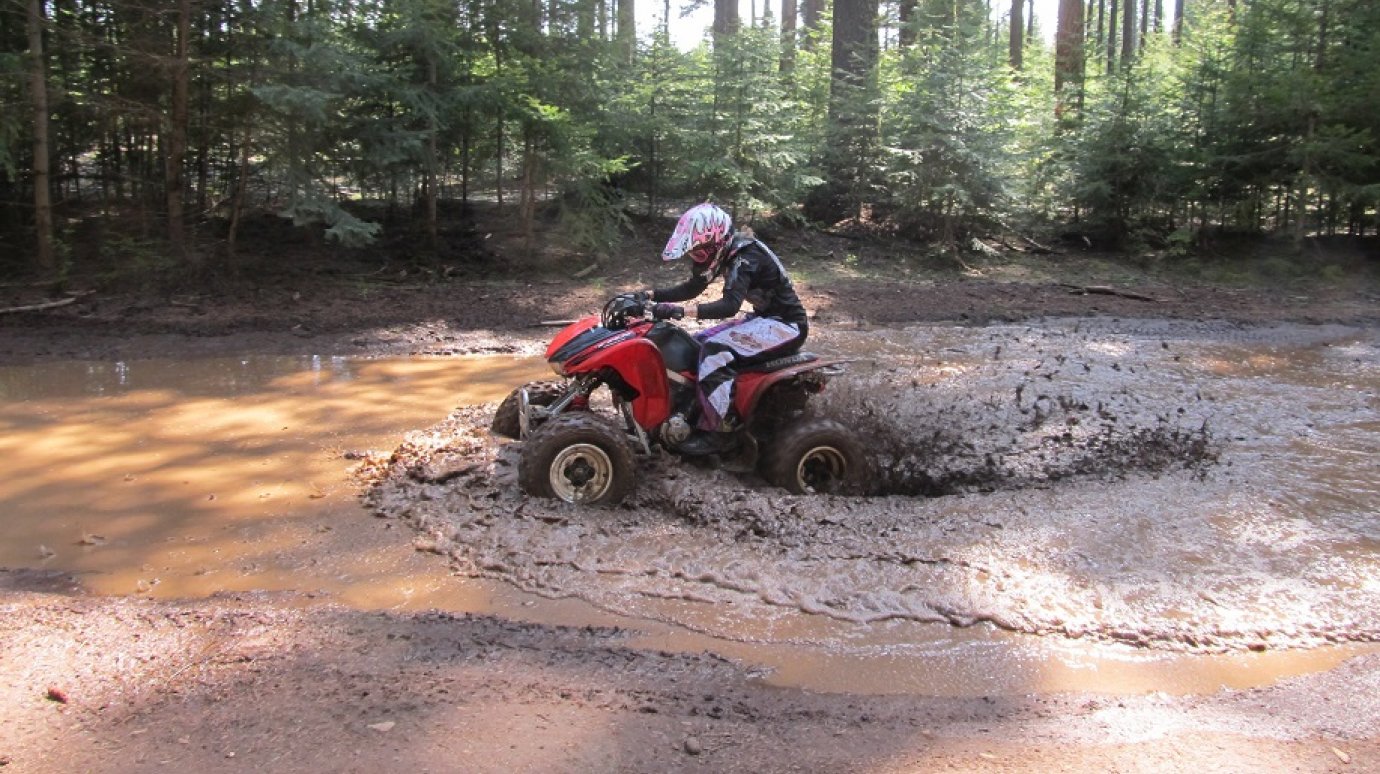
(187, 479)
(177, 479)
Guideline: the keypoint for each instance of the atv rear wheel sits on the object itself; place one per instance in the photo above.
(507, 423)
(816, 456)
(578, 458)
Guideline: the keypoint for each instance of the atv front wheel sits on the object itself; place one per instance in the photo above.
(578, 458)
(507, 423)
(816, 456)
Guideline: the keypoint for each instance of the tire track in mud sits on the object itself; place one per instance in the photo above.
(1122, 487)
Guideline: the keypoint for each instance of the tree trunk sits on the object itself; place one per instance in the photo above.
(725, 19)
(432, 154)
(1017, 43)
(1324, 18)
(1178, 20)
(237, 204)
(1128, 32)
(852, 104)
(45, 260)
(810, 13)
(177, 132)
(66, 27)
(627, 31)
(527, 207)
(585, 14)
(1112, 22)
(1100, 44)
(1068, 54)
(1144, 23)
(853, 56)
(906, 18)
(788, 17)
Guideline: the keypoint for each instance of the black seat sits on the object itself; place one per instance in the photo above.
(678, 348)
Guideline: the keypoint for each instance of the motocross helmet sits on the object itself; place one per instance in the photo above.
(701, 233)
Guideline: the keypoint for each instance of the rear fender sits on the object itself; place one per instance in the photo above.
(638, 363)
(753, 385)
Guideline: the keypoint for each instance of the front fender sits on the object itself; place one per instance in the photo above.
(638, 362)
(569, 332)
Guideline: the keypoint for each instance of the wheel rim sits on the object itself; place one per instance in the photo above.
(821, 469)
(581, 472)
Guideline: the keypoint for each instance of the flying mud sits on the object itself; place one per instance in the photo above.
(1180, 486)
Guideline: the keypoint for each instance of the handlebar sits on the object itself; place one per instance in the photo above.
(620, 308)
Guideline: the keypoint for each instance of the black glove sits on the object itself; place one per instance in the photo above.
(668, 312)
(636, 302)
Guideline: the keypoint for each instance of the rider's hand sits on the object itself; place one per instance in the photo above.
(668, 312)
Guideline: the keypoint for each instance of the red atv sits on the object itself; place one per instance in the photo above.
(574, 454)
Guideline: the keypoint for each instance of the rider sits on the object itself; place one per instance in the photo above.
(751, 272)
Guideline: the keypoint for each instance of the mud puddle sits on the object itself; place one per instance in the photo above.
(184, 479)
(188, 479)
(1176, 487)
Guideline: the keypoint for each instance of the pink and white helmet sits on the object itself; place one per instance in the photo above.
(700, 233)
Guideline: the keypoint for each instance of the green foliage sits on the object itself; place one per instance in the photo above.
(947, 129)
(1124, 148)
(1260, 118)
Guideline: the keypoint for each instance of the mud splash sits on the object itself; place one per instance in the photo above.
(1159, 484)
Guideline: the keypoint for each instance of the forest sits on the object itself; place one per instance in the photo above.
(146, 135)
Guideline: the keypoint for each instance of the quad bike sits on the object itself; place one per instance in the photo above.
(574, 454)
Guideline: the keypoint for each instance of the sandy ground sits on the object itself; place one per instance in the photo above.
(276, 683)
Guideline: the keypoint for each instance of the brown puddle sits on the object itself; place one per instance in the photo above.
(187, 479)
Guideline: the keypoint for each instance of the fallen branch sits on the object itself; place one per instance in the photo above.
(1103, 290)
(552, 323)
(1039, 248)
(979, 246)
(39, 307)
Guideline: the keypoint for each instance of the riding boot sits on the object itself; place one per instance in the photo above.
(704, 443)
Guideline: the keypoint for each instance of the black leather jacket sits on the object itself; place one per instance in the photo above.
(752, 273)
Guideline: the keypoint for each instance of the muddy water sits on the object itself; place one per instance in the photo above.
(184, 479)
(1175, 487)
(187, 479)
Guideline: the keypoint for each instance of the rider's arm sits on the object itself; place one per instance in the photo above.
(723, 308)
(737, 280)
(684, 291)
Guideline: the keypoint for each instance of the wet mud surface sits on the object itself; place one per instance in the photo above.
(1254, 531)
(1172, 485)
(246, 682)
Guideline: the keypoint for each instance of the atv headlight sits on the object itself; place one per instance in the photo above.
(556, 367)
